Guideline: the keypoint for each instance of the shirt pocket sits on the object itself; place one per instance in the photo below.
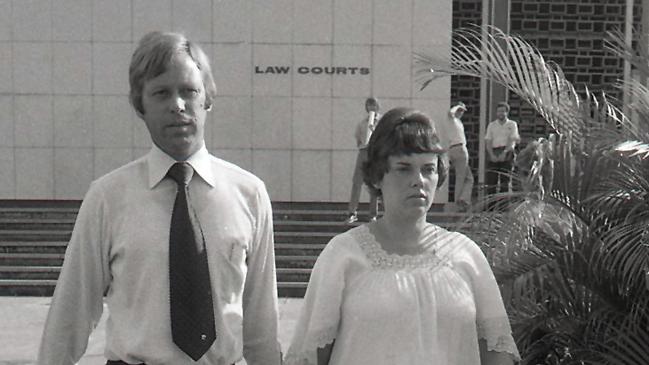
(229, 268)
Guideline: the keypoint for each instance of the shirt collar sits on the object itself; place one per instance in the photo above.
(159, 163)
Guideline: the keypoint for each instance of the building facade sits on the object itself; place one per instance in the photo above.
(292, 78)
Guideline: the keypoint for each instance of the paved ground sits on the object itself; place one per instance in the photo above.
(22, 320)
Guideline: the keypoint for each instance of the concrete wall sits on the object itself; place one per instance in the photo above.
(65, 118)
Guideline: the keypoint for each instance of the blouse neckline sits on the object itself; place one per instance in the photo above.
(380, 258)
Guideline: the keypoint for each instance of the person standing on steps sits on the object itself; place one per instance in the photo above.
(458, 156)
(362, 135)
(501, 139)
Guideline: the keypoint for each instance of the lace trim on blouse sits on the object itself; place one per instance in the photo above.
(497, 333)
(309, 349)
(382, 259)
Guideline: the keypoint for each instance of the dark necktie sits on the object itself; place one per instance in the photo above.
(190, 292)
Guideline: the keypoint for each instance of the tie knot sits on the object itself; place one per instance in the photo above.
(181, 172)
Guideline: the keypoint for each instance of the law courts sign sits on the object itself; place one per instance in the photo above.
(313, 70)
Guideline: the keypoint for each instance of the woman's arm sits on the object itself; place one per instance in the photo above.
(324, 354)
(487, 357)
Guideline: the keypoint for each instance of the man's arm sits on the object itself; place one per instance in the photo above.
(77, 303)
(260, 309)
(514, 138)
(358, 132)
(488, 138)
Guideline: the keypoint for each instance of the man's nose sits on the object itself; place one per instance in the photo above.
(177, 104)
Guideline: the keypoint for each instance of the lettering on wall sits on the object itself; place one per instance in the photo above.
(313, 70)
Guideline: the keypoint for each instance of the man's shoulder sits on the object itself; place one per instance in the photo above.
(233, 172)
(126, 171)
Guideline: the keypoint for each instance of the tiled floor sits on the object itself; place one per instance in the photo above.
(22, 320)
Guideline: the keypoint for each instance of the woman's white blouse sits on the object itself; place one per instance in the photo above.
(382, 308)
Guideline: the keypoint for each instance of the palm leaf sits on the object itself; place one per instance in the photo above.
(489, 53)
(515, 64)
(615, 42)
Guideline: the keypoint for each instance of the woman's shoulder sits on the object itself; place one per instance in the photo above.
(345, 242)
(456, 245)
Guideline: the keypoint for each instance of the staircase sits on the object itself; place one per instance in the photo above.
(34, 235)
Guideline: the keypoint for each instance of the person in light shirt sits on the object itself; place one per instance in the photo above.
(501, 139)
(400, 290)
(120, 246)
(458, 156)
(362, 134)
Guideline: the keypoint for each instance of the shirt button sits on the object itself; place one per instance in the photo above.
(203, 337)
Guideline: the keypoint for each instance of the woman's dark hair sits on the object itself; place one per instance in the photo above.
(401, 131)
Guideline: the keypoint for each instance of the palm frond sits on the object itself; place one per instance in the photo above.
(615, 43)
(514, 63)
(489, 53)
(633, 148)
(626, 345)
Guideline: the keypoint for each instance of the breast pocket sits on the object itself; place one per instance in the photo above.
(229, 269)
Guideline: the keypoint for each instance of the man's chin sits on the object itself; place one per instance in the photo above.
(181, 149)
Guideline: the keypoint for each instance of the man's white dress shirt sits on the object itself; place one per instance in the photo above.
(119, 249)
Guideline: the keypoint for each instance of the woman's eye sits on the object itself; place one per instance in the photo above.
(430, 170)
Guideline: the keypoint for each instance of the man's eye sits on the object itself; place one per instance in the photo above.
(160, 93)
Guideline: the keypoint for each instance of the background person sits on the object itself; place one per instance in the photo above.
(173, 235)
(500, 139)
(362, 135)
(458, 156)
(400, 290)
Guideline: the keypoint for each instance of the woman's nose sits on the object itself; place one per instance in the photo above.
(418, 179)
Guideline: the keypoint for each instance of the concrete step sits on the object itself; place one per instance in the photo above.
(291, 289)
(36, 225)
(299, 275)
(36, 288)
(33, 246)
(34, 235)
(30, 272)
(31, 259)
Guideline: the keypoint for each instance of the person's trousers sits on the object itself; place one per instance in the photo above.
(458, 155)
(498, 174)
(357, 184)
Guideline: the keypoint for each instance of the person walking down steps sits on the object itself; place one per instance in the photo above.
(362, 134)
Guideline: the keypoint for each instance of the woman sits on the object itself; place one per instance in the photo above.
(400, 290)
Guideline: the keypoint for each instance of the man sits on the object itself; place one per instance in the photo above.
(362, 135)
(500, 139)
(177, 240)
(459, 157)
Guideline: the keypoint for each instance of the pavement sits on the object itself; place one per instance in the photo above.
(22, 320)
